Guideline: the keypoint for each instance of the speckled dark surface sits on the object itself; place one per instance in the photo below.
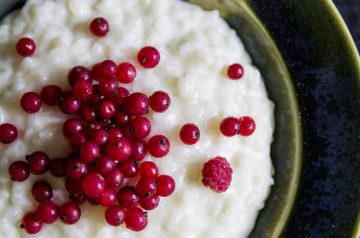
(329, 97)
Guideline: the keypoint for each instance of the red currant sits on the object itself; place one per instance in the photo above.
(99, 27)
(136, 219)
(165, 185)
(108, 87)
(50, 95)
(189, 134)
(119, 149)
(230, 126)
(76, 168)
(83, 91)
(159, 146)
(31, 223)
(8, 133)
(108, 197)
(148, 57)
(247, 126)
(38, 162)
(72, 126)
(19, 171)
(136, 104)
(115, 215)
(79, 73)
(42, 191)
(160, 101)
(93, 185)
(105, 164)
(89, 151)
(25, 46)
(235, 71)
(106, 109)
(69, 213)
(121, 118)
(149, 203)
(127, 197)
(47, 212)
(140, 127)
(125, 73)
(57, 167)
(31, 102)
(146, 187)
(139, 149)
(115, 178)
(148, 169)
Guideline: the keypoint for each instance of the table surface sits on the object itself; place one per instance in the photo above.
(350, 11)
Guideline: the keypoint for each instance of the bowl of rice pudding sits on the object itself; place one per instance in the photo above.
(228, 137)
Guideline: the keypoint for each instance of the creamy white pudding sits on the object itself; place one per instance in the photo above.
(196, 46)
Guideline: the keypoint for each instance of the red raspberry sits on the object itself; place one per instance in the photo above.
(217, 174)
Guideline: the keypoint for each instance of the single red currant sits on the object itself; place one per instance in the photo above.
(160, 101)
(146, 187)
(69, 104)
(136, 104)
(119, 149)
(108, 87)
(189, 134)
(88, 113)
(99, 27)
(31, 223)
(50, 95)
(42, 191)
(105, 165)
(89, 151)
(69, 213)
(165, 185)
(106, 69)
(83, 91)
(121, 118)
(106, 109)
(8, 133)
(139, 149)
(159, 146)
(79, 73)
(230, 126)
(140, 127)
(125, 73)
(73, 126)
(247, 126)
(119, 96)
(129, 168)
(127, 197)
(235, 71)
(31, 102)
(115, 178)
(108, 197)
(99, 136)
(93, 185)
(38, 162)
(47, 212)
(115, 133)
(76, 141)
(149, 203)
(148, 169)
(25, 46)
(76, 168)
(19, 171)
(115, 215)
(136, 219)
(148, 57)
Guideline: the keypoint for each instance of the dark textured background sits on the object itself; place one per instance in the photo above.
(350, 10)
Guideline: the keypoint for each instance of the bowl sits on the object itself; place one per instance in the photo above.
(312, 73)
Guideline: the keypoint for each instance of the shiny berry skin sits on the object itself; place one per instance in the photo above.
(108, 197)
(69, 104)
(69, 213)
(235, 71)
(230, 126)
(217, 174)
(99, 136)
(121, 118)
(42, 191)
(31, 223)
(146, 187)
(136, 219)
(127, 197)
(148, 57)
(165, 185)
(8, 133)
(83, 91)
(129, 168)
(31, 102)
(88, 113)
(115, 178)
(50, 95)
(247, 126)
(149, 203)
(38, 162)
(19, 171)
(136, 104)
(108, 87)
(115, 133)
(99, 27)
(119, 149)
(106, 109)
(106, 69)
(57, 167)
(93, 184)
(119, 96)
(89, 151)
(105, 164)
(160, 101)
(148, 169)
(73, 185)
(79, 73)
(115, 215)
(25, 47)
(125, 73)
(93, 201)
(189, 134)
(140, 127)
(78, 198)
(72, 126)
(76, 168)
(159, 146)
(139, 149)
(47, 212)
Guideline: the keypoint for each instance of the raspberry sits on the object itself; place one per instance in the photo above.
(217, 174)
